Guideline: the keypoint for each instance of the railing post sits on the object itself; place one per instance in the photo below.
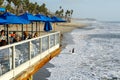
(48, 41)
(55, 39)
(36, 26)
(29, 44)
(22, 32)
(32, 27)
(59, 37)
(40, 45)
(13, 57)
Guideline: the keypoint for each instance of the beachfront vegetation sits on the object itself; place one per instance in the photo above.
(64, 14)
(21, 6)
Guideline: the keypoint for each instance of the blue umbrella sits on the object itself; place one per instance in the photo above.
(47, 26)
(57, 19)
(2, 21)
(44, 18)
(13, 19)
(31, 18)
(50, 26)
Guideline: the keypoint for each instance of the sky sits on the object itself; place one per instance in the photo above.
(104, 10)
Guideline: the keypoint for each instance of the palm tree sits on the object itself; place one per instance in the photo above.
(9, 8)
(43, 9)
(9, 1)
(61, 13)
(17, 3)
(71, 12)
(31, 8)
(60, 7)
(37, 9)
(1, 2)
(56, 13)
(68, 15)
(26, 4)
(35, 6)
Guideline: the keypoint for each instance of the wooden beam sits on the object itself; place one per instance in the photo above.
(25, 75)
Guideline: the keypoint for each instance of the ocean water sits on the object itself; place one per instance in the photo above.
(96, 54)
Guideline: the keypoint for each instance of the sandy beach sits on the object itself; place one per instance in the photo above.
(68, 27)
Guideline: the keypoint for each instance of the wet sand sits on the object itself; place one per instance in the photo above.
(43, 73)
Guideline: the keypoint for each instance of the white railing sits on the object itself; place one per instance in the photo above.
(14, 58)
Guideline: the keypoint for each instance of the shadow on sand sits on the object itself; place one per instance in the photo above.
(43, 73)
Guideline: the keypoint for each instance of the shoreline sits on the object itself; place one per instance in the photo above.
(67, 28)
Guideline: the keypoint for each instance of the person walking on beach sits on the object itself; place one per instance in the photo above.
(73, 50)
